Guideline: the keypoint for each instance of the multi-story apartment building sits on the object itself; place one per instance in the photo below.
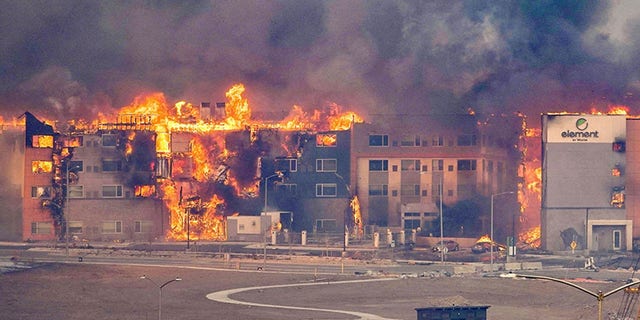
(124, 181)
(406, 167)
(84, 185)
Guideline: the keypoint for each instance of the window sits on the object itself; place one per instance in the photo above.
(73, 142)
(43, 192)
(41, 141)
(410, 165)
(111, 165)
(326, 190)
(144, 191)
(467, 140)
(326, 165)
(378, 165)
(410, 141)
(109, 140)
(437, 165)
(450, 168)
(75, 227)
(76, 165)
(41, 166)
(617, 239)
(617, 197)
(112, 227)
(378, 190)
(437, 141)
(616, 171)
(143, 226)
(411, 190)
(467, 165)
(378, 140)
(326, 139)
(41, 227)
(490, 166)
(619, 146)
(411, 220)
(76, 192)
(112, 191)
(287, 164)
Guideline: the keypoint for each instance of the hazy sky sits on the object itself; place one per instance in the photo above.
(71, 58)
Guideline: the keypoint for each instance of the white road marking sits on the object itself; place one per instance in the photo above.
(223, 296)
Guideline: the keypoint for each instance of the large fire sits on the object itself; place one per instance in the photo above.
(203, 153)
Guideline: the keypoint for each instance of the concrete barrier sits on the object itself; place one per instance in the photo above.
(510, 266)
(465, 268)
(531, 265)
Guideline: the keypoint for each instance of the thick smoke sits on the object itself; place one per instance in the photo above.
(66, 59)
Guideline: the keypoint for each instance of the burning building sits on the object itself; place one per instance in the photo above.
(589, 175)
(158, 171)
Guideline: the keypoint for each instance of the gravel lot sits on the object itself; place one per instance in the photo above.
(86, 291)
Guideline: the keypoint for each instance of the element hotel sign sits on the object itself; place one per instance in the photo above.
(584, 128)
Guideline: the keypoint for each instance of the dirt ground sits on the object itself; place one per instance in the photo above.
(83, 291)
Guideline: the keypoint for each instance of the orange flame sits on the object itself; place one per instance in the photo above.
(206, 157)
(613, 109)
(484, 238)
(41, 166)
(357, 216)
(237, 110)
(531, 237)
(343, 121)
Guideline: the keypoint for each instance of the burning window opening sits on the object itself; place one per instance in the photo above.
(42, 141)
(617, 197)
(41, 166)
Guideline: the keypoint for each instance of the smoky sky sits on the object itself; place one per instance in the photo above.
(66, 59)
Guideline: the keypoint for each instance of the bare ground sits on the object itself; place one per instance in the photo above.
(83, 291)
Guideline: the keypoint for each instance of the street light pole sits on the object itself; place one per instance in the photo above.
(492, 241)
(266, 188)
(598, 295)
(66, 213)
(344, 217)
(160, 291)
(441, 225)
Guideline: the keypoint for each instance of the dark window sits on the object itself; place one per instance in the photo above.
(109, 140)
(467, 165)
(378, 165)
(378, 190)
(378, 140)
(111, 165)
(76, 165)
